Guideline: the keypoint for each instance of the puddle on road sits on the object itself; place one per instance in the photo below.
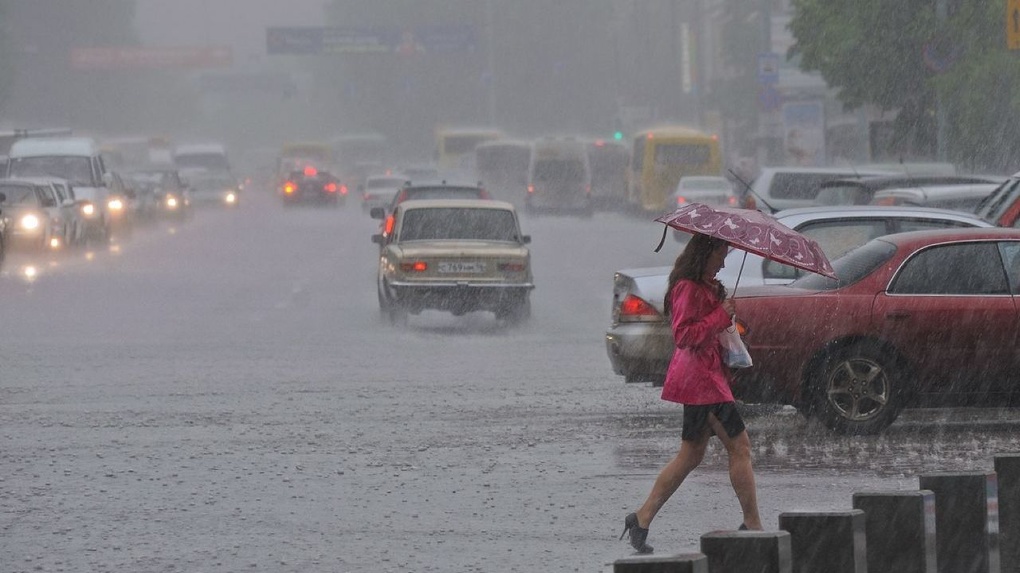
(784, 442)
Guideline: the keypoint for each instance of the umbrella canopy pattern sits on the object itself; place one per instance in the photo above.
(752, 231)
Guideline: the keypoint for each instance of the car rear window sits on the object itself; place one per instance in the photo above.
(458, 223)
(800, 185)
(850, 268)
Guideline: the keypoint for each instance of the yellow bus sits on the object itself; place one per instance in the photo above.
(660, 156)
(455, 147)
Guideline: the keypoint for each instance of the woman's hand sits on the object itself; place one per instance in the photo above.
(730, 306)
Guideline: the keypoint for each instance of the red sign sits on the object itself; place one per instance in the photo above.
(122, 58)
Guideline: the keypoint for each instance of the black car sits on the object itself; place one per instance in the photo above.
(441, 190)
(312, 185)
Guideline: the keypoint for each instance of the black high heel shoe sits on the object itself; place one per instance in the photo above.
(638, 534)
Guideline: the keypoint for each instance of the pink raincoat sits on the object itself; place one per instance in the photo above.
(696, 374)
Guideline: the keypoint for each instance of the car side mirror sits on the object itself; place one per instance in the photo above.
(377, 213)
(377, 239)
(67, 202)
(525, 239)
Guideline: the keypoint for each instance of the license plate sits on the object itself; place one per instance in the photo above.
(461, 267)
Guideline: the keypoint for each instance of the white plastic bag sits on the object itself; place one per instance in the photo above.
(735, 354)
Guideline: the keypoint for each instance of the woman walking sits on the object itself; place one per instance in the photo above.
(699, 310)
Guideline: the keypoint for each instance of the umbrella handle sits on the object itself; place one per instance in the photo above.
(741, 271)
(662, 241)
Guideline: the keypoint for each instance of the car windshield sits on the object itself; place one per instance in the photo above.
(850, 268)
(19, 195)
(77, 170)
(458, 223)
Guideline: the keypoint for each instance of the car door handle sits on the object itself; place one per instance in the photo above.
(897, 314)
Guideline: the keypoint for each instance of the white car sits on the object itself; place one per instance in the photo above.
(639, 342)
(707, 189)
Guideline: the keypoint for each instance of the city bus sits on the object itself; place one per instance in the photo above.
(455, 147)
(660, 156)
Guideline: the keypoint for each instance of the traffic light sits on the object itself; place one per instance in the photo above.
(618, 135)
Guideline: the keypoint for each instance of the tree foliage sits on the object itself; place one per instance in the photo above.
(900, 56)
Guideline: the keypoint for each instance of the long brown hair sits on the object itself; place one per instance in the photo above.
(691, 265)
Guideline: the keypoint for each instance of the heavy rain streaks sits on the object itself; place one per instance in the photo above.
(214, 356)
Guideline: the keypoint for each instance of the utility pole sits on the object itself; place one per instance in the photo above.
(491, 56)
(941, 12)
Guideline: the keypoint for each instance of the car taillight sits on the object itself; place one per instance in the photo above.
(637, 309)
(531, 188)
(289, 187)
(885, 201)
(330, 187)
(732, 201)
(681, 200)
(512, 267)
(343, 189)
(311, 171)
(414, 267)
(388, 226)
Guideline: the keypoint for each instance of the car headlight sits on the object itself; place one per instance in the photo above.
(30, 222)
(115, 205)
(231, 198)
(88, 209)
(171, 202)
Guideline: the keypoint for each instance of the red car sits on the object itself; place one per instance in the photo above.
(927, 318)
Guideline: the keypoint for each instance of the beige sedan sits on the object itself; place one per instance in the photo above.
(457, 256)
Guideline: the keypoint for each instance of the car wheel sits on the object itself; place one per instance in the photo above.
(397, 314)
(857, 390)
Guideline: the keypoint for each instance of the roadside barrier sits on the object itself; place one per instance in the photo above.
(966, 521)
(899, 529)
(1007, 468)
(830, 541)
(953, 523)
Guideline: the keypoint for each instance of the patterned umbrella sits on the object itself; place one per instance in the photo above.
(751, 231)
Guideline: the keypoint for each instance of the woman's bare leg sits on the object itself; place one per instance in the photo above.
(690, 455)
(741, 474)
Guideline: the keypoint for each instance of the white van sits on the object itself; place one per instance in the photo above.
(559, 176)
(75, 159)
(201, 156)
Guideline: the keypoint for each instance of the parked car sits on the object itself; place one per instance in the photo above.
(707, 189)
(778, 188)
(861, 190)
(455, 255)
(639, 342)
(34, 216)
(1002, 206)
(961, 197)
(915, 319)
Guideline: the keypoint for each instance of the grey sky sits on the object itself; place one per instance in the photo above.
(240, 24)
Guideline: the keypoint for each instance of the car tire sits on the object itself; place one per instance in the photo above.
(857, 390)
(520, 312)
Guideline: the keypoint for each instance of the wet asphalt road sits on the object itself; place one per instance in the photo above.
(221, 396)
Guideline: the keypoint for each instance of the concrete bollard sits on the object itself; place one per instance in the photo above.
(1007, 469)
(899, 530)
(831, 541)
(966, 521)
(747, 551)
(683, 563)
